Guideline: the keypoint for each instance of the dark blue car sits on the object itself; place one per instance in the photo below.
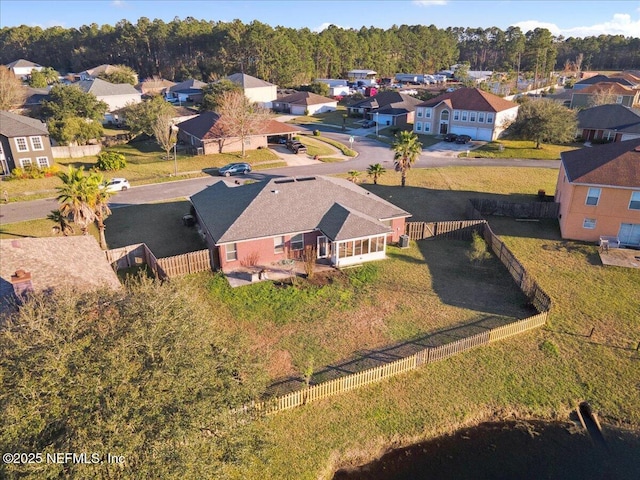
(233, 168)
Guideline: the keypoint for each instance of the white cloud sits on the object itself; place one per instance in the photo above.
(620, 24)
(428, 3)
(118, 3)
(326, 25)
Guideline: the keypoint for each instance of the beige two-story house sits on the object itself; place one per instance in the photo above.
(24, 143)
(466, 111)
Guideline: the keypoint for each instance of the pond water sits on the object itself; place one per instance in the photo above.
(510, 450)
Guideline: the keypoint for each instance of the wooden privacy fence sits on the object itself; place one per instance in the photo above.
(139, 254)
(376, 374)
(487, 206)
(453, 230)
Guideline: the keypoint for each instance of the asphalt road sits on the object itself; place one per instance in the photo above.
(369, 151)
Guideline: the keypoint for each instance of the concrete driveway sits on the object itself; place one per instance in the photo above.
(452, 149)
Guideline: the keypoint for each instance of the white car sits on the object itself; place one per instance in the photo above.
(117, 185)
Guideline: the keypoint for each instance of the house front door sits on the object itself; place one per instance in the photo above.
(444, 127)
(323, 247)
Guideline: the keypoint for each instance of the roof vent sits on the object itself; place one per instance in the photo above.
(305, 179)
(275, 191)
(285, 180)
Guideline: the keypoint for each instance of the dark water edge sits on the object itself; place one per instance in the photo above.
(510, 450)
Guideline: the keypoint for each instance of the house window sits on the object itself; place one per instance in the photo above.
(418, 126)
(278, 244)
(480, 117)
(232, 252)
(36, 143)
(427, 113)
(419, 112)
(489, 117)
(21, 144)
(593, 196)
(25, 162)
(456, 114)
(589, 223)
(472, 116)
(619, 99)
(444, 116)
(376, 244)
(465, 116)
(634, 204)
(297, 242)
(43, 162)
(427, 127)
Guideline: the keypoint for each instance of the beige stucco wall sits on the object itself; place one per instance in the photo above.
(612, 210)
(262, 94)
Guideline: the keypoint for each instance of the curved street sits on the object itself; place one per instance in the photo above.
(369, 151)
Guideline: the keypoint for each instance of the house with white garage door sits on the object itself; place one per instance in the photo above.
(465, 111)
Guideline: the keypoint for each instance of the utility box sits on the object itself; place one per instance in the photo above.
(404, 241)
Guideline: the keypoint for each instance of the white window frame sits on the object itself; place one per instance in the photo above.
(427, 127)
(278, 244)
(419, 113)
(293, 242)
(34, 140)
(634, 203)
(427, 113)
(465, 116)
(472, 116)
(25, 162)
(489, 117)
(593, 192)
(619, 99)
(589, 223)
(480, 117)
(456, 114)
(231, 252)
(17, 142)
(40, 163)
(418, 126)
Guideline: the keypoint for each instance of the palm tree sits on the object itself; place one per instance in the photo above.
(76, 197)
(353, 176)
(62, 225)
(376, 171)
(101, 210)
(406, 149)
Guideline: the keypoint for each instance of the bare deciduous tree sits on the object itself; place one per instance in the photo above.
(164, 133)
(12, 94)
(241, 118)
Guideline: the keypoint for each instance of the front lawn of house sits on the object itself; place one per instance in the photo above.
(521, 149)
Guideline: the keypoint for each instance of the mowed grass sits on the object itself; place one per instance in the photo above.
(521, 149)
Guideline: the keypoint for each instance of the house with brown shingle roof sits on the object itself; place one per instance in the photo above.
(304, 103)
(275, 220)
(48, 263)
(598, 189)
(606, 92)
(608, 123)
(386, 108)
(205, 136)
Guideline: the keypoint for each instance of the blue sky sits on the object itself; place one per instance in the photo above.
(561, 17)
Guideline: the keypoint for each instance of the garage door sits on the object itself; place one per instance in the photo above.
(471, 131)
(484, 134)
(629, 234)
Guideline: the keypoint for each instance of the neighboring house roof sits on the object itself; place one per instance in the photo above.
(247, 81)
(34, 96)
(101, 88)
(305, 98)
(154, 85)
(471, 99)
(627, 76)
(361, 72)
(610, 117)
(100, 69)
(51, 264)
(389, 100)
(22, 63)
(615, 164)
(190, 85)
(13, 125)
(282, 206)
(606, 87)
(203, 127)
(603, 78)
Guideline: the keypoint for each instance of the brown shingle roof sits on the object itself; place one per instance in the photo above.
(471, 99)
(615, 164)
(607, 87)
(204, 127)
(306, 98)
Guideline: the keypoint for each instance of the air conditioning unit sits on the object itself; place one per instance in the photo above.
(404, 241)
(200, 151)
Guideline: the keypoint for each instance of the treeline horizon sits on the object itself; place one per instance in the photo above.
(208, 50)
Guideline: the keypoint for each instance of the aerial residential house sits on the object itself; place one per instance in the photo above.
(50, 263)
(258, 91)
(95, 72)
(304, 103)
(386, 108)
(275, 220)
(154, 86)
(22, 68)
(24, 142)
(204, 135)
(625, 80)
(598, 189)
(187, 91)
(115, 95)
(465, 111)
(606, 92)
(608, 123)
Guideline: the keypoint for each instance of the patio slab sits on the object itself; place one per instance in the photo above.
(275, 271)
(621, 257)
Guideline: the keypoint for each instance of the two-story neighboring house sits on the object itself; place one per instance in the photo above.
(465, 111)
(258, 91)
(606, 93)
(598, 190)
(24, 142)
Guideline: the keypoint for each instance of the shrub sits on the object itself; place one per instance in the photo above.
(34, 172)
(111, 161)
(316, 133)
(479, 250)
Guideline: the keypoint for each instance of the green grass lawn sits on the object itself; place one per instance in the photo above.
(330, 118)
(521, 149)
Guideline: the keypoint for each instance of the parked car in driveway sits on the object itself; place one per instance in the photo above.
(450, 137)
(463, 139)
(234, 168)
(116, 185)
(368, 123)
(296, 146)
